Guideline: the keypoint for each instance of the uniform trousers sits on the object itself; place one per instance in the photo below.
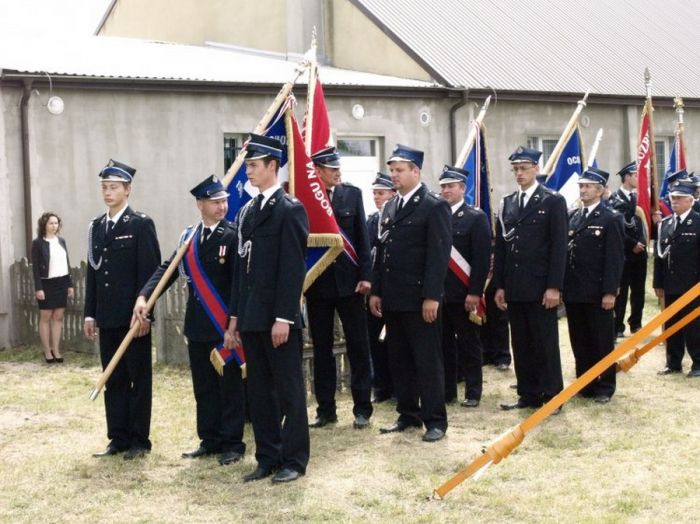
(353, 317)
(461, 348)
(687, 338)
(535, 338)
(415, 360)
(381, 377)
(277, 399)
(592, 335)
(634, 275)
(495, 338)
(128, 391)
(220, 400)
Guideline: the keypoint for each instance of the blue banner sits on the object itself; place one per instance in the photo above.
(567, 169)
(478, 190)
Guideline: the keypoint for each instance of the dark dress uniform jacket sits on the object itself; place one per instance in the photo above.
(277, 266)
(534, 258)
(128, 256)
(634, 231)
(41, 256)
(471, 236)
(595, 255)
(679, 270)
(341, 277)
(413, 255)
(216, 256)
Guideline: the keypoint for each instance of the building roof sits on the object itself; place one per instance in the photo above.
(127, 58)
(565, 46)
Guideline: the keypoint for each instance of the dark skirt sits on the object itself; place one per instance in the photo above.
(55, 292)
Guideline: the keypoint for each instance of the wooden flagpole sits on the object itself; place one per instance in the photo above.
(653, 189)
(267, 117)
(310, 93)
(471, 136)
(594, 147)
(564, 138)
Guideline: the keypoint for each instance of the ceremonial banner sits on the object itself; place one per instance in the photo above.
(676, 162)
(478, 191)
(646, 192)
(309, 189)
(568, 169)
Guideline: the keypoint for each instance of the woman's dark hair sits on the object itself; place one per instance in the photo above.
(43, 220)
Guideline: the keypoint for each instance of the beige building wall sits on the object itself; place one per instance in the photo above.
(260, 24)
(355, 42)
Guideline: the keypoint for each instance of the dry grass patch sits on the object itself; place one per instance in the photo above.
(632, 460)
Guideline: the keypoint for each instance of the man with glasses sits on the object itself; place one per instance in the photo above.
(529, 264)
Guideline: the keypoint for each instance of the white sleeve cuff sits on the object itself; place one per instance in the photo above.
(284, 320)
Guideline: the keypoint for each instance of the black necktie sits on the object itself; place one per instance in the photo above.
(329, 192)
(398, 208)
(679, 221)
(110, 226)
(521, 205)
(206, 233)
(585, 213)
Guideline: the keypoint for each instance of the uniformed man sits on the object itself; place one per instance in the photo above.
(464, 287)
(382, 191)
(208, 269)
(342, 288)
(123, 252)
(593, 269)
(676, 270)
(634, 273)
(407, 291)
(265, 310)
(495, 337)
(529, 263)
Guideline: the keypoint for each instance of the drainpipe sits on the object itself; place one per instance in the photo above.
(453, 123)
(26, 173)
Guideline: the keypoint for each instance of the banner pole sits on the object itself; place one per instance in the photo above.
(471, 136)
(563, 139)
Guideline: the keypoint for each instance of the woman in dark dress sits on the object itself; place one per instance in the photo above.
(52, 283)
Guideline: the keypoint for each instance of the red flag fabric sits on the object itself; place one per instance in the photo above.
(320, 124)
(644, 166)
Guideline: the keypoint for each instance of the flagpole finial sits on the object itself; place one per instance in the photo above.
(647, 81)
(679, 107)
(582, 102)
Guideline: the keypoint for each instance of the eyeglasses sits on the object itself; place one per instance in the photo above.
(522, 167)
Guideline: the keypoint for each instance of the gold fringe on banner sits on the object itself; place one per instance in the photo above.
(217, 361)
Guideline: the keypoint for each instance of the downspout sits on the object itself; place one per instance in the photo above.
(453, 123)
(26, 174)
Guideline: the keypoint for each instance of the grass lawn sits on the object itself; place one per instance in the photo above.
(633, 460)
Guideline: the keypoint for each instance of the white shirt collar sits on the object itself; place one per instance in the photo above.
(268, 193)
(685, 215)
(457, 206)
(408, 195)
(592, 207)
(529, 191)
(627, 192)
(212, 228)
(118, 215)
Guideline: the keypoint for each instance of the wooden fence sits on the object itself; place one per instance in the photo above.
(168, 337)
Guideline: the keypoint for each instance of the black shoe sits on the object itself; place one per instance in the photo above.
(134, 453)
(377, 398)
(398, 427)
(693, 373)
(668, 371)
(502, 367)
(321, 421)
(360, 422)
(201, 451)
(520, 404)
(108, 452)
(634, 329)
(433, 435)
(286, 475)
(470, 403)
(620, 333)
(601, 399)
(229, 457)
(49, 360)
(259, 474)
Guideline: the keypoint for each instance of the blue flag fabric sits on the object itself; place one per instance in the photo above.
(673, 166)
(478, 190)
(567, 169)
(240, 190)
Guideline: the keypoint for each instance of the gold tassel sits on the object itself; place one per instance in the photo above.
(217, 361)
(479, 321)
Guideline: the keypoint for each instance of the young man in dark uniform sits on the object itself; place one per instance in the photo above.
(265, 313)
(220, 399)
(382, 192)
(342, 288)
(464, 286)
(407, 291)
(123, 252)
(676, 270)
(634, 274)
(593, 268)
(529, 263)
